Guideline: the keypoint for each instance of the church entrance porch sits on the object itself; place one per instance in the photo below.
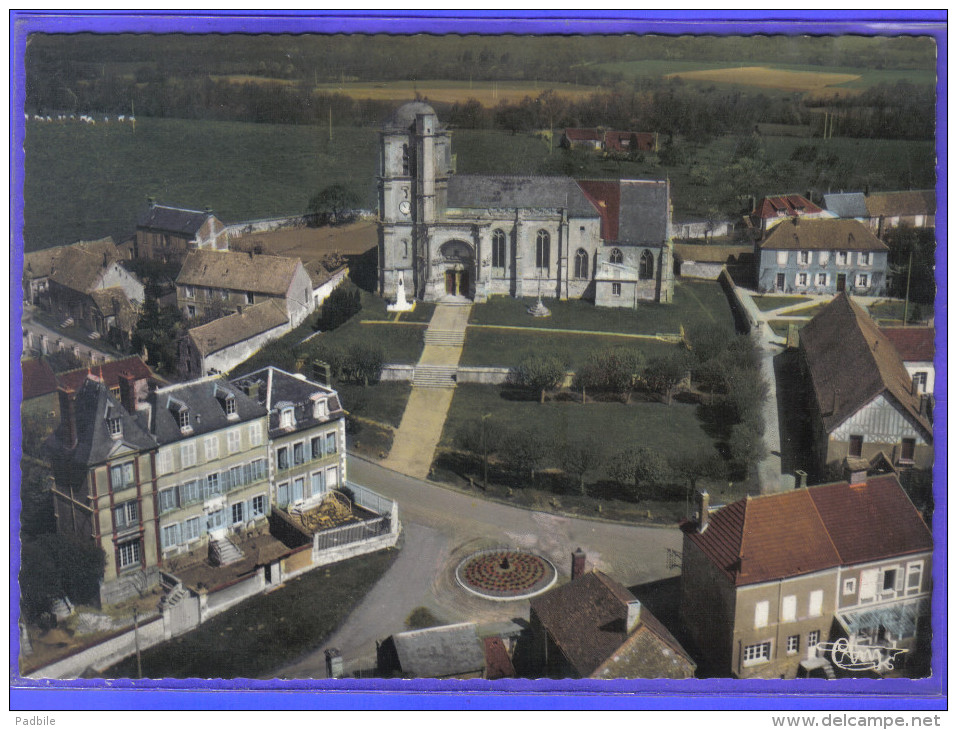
(454, 272)
(457, 283)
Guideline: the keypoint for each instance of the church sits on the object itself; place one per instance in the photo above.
(449, 237)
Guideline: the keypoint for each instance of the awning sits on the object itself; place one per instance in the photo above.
(898, 619)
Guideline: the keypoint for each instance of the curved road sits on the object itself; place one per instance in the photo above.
(440, 527)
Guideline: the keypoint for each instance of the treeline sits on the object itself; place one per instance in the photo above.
(892, 111)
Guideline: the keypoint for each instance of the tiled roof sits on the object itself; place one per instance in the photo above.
(851, 362)
(113, 301)
(277, 386)
(173, 220)
(38, 378)
(616, 140)
(318, 273)
(775, 206)
(507, 191)
(239, 271)
(831, 234)
(846, 205)
(913, 344)
(576, 134)
(109, 372)
(605, 195)
(205, 400)
(238, 326)
(776, 536)
(586, 619)
(40, 263)
(443, 651)
(632, 211)
(78, 270)
(646, 655)
(907, 202)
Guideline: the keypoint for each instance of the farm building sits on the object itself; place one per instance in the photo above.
(466, 237)
(882, 211)
(37, 265)
(165, 233)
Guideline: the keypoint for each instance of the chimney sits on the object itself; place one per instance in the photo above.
(252, 390)
(867, 190)
(704, 502)
(801, 479)
(334, 668)
(152, 202)
(808, 196)
(321, 372)
(634, 614)
(208, 210)
(578, 563)
(128, 392)
(68, 415)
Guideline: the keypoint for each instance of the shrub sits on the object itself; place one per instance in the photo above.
(57, 566)
(341, 304)
(539, 373)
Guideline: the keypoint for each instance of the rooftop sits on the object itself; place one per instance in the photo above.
(913, 344)
(442, 651)
(257, 273)
(775, 206)
(905, 202)
(514, 191)
(239, 326)
(205, 400)
(846, 205)
(827, 234)
(40, 263)
(278, 389)
(167, 218)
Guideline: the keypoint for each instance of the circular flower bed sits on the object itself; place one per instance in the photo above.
(505, 574)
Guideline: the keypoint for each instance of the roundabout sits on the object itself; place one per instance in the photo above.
(505, 574)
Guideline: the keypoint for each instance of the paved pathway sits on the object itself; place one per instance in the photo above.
(440, 527)
(424, 417)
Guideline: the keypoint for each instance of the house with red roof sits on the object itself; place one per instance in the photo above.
(832, 580)
(773, 209)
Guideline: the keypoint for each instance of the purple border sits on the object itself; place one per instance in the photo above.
(895, 695)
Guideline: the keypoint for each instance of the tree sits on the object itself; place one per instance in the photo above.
(364, 363)
(335, 204)
(157, 330)
(57, 566)
(639, 469)
(483, 439)
(524, 452)
(666, 371)
(581, 457)
(614, 369)
(746, 446)
(539, 373)
(36, 500)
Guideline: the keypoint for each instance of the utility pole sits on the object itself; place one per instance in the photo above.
(136, 641)
(910, 260)
(330, 122)
(485, 451)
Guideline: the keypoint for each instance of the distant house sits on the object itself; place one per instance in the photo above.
(444, 652)
(165, 233)
(575, 138)
(915, 345)
(821, 257)
(769, 584)
(704, 261)
(701, 229)
(609, 141)
(863, 402)
(96, 293)
(220, 345)
(593, 627)
(216, 283)
(775, 209)
(37, 265)
(915, 208)
(847, 205)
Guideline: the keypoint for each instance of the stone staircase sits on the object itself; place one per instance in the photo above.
(447, 338)
(434, 376)
(177, 594)
(223, 552)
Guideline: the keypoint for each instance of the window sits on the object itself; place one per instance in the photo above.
(850, 586)
(869, 584)
(170, 536)
(889, 583)
(187, 454)
(212, 485)
(230, 405)
(190, 492)
(183, 418)
(129, 554)
(646, 265)
(232, 441)
(794, 644)
(258, 506)
(115, 426)
(188, 292)
(405, 248)
(920, 381)
(782, 258)
(191, 529)
(332, 477)
(855, 446)
(822, 279)
(318, 482)
(234, 477)
(125, 516)
(789, 608)
(405, 159)
(237, 512)
(282, 494)
(168, 499)
(543, 245)
(320, 409)
(316, 447)
(255, 434)
(498, 249)
(616, 290)
(616, 257)
(813, 639)
(298, 453)
(250, 298)
(816, 604)
(760, 614)
(216, 520)
(224, 294)
(581, 264)
(757, 653)
(864, 258)
(282, 458)
(297, 489)
(915, 572)
(822, 258)
(287, 418)
(907, 450)
(165, 461)
(862, 281)
(842, 258)
(802, 279)
(212, 448)
(121, 476)
(331, 443)
(804, 257)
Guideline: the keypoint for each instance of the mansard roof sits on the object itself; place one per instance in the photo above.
(278, 388)
(205, 400)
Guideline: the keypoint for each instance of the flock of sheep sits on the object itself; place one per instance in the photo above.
(84, 118)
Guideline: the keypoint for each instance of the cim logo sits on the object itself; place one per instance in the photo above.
(847, 654)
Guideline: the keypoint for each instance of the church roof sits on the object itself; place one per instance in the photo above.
(513, 191)
(404, 117)
(632, 211)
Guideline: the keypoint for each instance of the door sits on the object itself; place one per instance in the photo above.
(780, 282)
(841, 282)
(463, 284)
(450, 282)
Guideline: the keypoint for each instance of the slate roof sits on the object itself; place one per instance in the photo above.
(166, 218)
(851, 362)
(907, 202)
(92, 406)
(825, 234)
(40, 263)
(238, 326)
(205, 400)
(632, 211)
(776, 536)
(38, 378)
(239, 271)
(846, 205)
(913, 344)
(586, 618)
(507, 191)
(774, 206)
(443, 651)
(278, 387)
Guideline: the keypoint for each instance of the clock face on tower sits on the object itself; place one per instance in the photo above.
(404, 207)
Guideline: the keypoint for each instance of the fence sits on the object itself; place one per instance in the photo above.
(365, 497)
(350, 534)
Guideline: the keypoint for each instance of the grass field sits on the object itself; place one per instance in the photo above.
(765, 77)
(767, 303)
(488, 93)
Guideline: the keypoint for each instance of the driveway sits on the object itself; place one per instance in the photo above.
(441, 527)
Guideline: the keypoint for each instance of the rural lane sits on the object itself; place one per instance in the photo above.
(442, 526)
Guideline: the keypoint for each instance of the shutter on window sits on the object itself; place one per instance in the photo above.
(760, 614)
(868, 584)
(899, 584)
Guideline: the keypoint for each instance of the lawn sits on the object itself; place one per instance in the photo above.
(892, 311)
(767, 303)
(266, 632)
(383, 402)
(673, 430)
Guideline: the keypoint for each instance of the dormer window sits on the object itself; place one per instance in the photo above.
(320, 408)
(230, 405)
(287, 418)
(183, 420)
(115, 426)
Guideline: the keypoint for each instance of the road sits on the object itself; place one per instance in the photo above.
(441, 527)
(86, 351)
